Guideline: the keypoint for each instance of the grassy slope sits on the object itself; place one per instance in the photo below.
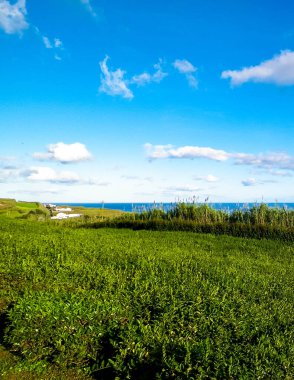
(187, 304)
(13, 209)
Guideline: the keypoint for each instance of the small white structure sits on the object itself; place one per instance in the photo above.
(61, 216)
(67, 209)
(74, 215)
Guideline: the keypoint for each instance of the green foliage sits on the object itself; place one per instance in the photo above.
(258, 222)
(144, 305)
(205, 214)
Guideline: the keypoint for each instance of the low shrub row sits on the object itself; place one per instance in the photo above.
(203, 213)
(218, 228)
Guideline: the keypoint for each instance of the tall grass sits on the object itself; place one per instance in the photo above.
(203, 213)
(260, 221)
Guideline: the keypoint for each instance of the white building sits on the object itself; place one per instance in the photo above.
(62, 215)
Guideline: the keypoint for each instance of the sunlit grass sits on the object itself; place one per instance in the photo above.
(143, 304)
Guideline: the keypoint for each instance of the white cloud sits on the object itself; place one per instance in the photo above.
(193, 82)
(208, 178)
(280, 173)
(13, 16)
(89, 7)
(146, 78)
(183, 189)
(267, 161)
(43, 173)
(253, 182)
(185, 67)
(36, 192)
(64, 153)
(159, 74)
(211, 178)
(130, 177)
(278, 70)
(142, 79)
(46, 174)
(168, 151)
(47, 42)
(113, 83)
(249, 182)
(96, 183)
(4, 159)
(56, 44)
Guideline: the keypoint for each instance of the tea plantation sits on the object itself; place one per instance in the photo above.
(81, 303)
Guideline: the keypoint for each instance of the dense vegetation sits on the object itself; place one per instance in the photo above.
(257, 222)
(143, 305)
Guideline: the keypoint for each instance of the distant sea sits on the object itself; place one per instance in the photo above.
(139, 207)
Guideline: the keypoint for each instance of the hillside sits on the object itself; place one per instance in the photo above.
(20, 209)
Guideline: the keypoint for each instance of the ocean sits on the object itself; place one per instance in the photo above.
(139, 207)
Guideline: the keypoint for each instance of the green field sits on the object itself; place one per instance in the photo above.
(24, 210)
(122, 304)
(10, 208)
(95, 213)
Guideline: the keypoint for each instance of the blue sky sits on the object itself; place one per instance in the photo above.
(142, 101)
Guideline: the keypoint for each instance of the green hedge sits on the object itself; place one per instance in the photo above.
(234, 229)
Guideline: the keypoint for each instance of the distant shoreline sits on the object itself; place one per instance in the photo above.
(140, 206)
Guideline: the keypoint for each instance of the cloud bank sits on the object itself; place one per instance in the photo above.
(43, 173)
(168, 151)
(253, 182)
(278, 70)
(263, 161)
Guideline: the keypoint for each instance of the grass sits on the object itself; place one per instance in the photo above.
(95, 213)
(28, 205)
(260, 215)
(106, 304)
(33, 210)
(258, 222)
(12, 209)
